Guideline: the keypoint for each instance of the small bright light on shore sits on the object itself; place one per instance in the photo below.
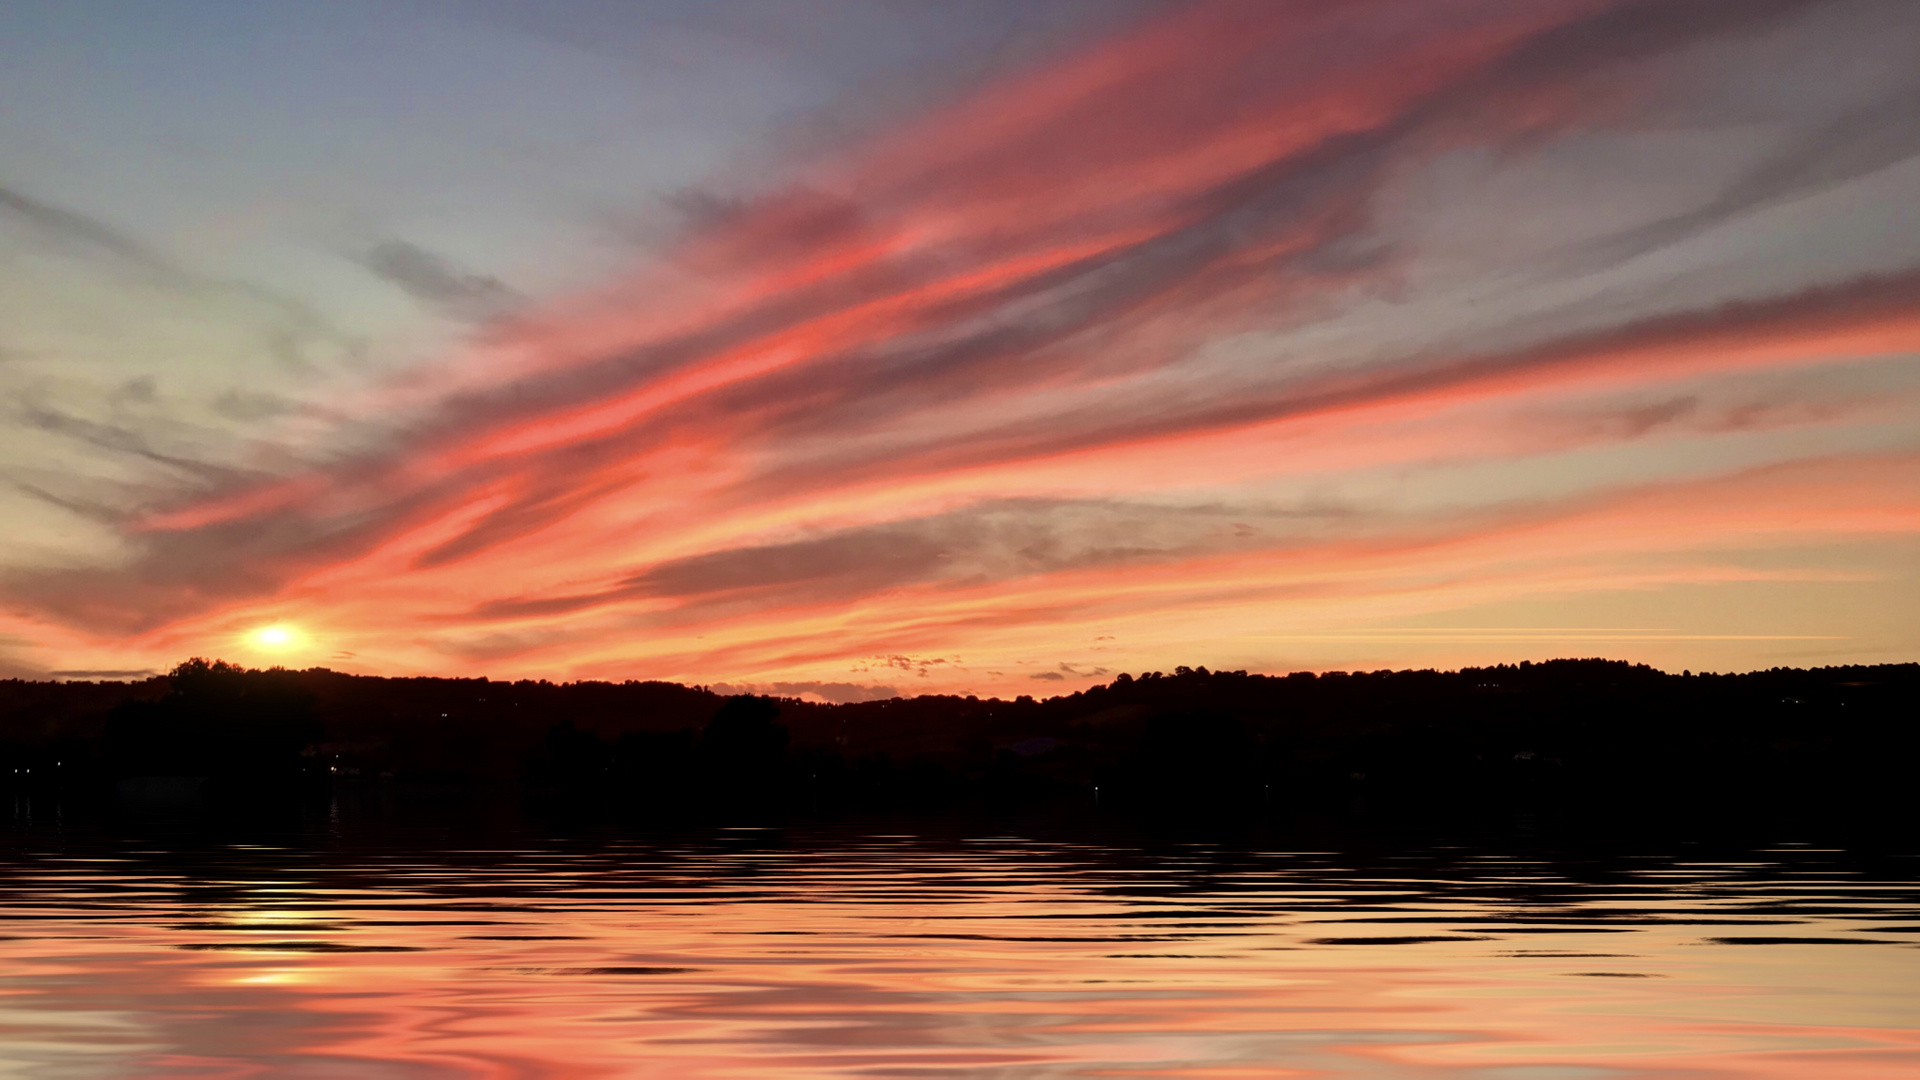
(277, 636)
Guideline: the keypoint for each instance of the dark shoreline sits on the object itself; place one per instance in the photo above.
(1581, 746)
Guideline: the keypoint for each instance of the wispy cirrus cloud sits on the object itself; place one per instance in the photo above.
(1160, 313)
(432, 280)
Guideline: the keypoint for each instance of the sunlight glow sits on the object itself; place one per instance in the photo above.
(277, 636)
(1212, 333)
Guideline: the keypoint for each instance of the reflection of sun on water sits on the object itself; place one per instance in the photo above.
(265, 924)
(277, 977)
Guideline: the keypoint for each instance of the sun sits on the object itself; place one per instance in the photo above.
(277, 636)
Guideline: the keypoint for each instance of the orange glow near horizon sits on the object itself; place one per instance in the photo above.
(1151, 354)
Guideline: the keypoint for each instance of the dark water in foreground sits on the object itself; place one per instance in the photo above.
(864, 952)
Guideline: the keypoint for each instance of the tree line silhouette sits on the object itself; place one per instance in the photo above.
(1597, 738)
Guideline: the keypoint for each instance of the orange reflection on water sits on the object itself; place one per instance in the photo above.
(834, 954)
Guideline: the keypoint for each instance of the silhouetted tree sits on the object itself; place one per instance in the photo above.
(240, 729)
(1603, 740)
(743, 749)
(1191, 760)
(572, 759)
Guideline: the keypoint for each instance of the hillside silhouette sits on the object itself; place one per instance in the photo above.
(1596, 738)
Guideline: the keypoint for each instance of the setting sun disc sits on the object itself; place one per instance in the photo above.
(278, 636)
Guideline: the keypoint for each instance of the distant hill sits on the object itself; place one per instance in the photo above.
(1594, 738)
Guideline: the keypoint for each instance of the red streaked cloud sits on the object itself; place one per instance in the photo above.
(1124, 348)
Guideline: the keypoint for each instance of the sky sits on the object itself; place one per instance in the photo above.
(853, 348)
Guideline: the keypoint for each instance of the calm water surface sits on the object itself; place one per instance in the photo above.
(752, 953)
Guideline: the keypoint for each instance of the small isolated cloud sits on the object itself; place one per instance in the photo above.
(249, 405)
(143, 390)
(1068, 671)
(436, 283)
(919, 665)
(78, 231)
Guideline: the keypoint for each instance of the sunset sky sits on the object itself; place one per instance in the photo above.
(858, 347)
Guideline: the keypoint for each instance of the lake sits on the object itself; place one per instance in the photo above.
(894, 951)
